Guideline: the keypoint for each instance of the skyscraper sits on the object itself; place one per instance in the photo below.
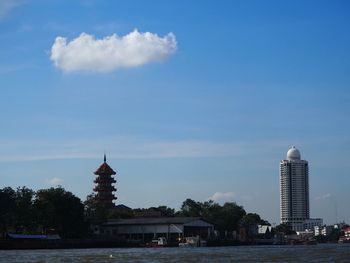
(294, 190)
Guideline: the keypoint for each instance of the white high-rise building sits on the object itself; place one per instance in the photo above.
(294, 187)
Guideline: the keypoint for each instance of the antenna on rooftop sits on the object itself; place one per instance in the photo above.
(336, 212)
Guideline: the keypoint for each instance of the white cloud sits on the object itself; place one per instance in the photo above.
(222, 197)
(323, 197)
(54, 181)
(7, 5)
(86, 53)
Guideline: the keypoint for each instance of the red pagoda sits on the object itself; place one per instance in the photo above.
(104, 185)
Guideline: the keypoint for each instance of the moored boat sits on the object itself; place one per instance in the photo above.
(193, 242)
(159, 242)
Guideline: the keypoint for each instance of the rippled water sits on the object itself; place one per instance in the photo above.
(318, 253)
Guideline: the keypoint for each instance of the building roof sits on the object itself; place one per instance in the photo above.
(156, 220)
(293, 154)
(23, 236)
(122, 206)
(105, 168)
(262, 229)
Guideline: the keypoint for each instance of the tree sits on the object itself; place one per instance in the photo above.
(7, 203)
(250, 219)
(334, 234)
(94, 212)
(224, 218)
(191, 208)
(250, 222)
(24, 214)
(62, 211)
(227, 217)
(285, 229)
(166, 210)
(120, 213)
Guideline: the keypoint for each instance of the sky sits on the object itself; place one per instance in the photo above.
(189, 99)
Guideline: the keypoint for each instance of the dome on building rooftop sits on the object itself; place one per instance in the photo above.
(293, 154)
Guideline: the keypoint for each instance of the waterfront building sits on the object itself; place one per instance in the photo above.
(264, 229)
(104, 185)
(311, 223)
(148, 228)
(346, 237)
(317, 230)
(294, 190)
(325, 230)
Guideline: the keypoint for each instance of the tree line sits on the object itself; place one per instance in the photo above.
(23, 210)
(28, 212)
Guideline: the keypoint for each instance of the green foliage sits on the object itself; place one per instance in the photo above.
(93, 211)
(166, 210)
(16, 210)
(250, 219)
(120, 213)
(24, 212)
(191, 208)
(7, 204)
(285, 229)
(224, 218)
(334, 235)
(60, 210)
(250, 222)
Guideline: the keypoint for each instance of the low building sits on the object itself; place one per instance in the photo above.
(146, 229)
(323, 230)
(347, 232)
(326, 230)
(309, 224)
(346, 237)
(264, 229)
(317, 230)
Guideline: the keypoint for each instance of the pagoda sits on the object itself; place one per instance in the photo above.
(104, 185)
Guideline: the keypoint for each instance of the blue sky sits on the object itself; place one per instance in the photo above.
(205, 106)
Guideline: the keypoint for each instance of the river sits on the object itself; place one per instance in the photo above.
(315, 253)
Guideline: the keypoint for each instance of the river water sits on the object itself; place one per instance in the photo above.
(315, 253)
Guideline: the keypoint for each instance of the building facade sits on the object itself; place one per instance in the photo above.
(148, 228)
(311, 223)
(294, 190)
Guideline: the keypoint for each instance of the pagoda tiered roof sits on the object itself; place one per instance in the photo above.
(104, 180)
(105, 169)
(104, 187)
(101, 188)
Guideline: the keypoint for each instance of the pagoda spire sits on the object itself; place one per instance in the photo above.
(104, 158)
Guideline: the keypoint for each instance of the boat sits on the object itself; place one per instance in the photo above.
(193, 242)
(158, 242)
(343, 240)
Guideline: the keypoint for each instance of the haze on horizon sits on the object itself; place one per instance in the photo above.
(188, 100)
